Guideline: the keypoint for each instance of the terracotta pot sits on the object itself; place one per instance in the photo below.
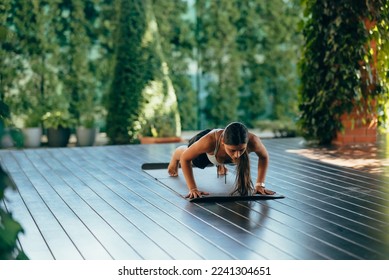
(160, 140)
(358, 129)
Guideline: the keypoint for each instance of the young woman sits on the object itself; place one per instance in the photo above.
(219, 146)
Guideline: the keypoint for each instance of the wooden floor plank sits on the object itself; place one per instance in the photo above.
(146, 211)
(109, 177)
(97, 203)
(52, 231)
(108, 226)
(69, 209)
(339, 189)
(219, 239)
(31, 239)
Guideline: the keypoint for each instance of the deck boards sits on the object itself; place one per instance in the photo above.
(97, 203)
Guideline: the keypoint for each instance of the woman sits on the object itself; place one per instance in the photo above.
(220, 146)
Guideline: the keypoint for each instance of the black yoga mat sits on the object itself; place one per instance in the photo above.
(219, 188)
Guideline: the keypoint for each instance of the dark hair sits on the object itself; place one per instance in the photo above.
(235, 134)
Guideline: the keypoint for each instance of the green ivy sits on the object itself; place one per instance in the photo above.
(335, 57)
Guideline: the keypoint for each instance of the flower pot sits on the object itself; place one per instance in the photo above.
(6, 141)
(360, 126)
(32, 137)
(160, 140)
(58, 137)
(11, 137)
(86, 136)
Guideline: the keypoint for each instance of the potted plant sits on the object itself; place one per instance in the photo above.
(87, 129)
(160, 129)
(89, 112)
(10, 136)
(58, 124)
(32, 129)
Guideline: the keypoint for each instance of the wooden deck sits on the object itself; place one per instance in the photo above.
(97, 203)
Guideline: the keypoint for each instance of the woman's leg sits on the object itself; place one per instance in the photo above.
(175, 160)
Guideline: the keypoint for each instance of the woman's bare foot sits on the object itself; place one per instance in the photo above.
(222, 169)
(172, 169)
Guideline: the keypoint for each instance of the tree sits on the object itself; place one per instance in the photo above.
(247, 55)
(32, 60)
(8, 65)
(142, 95)
(177, 42)
(221, 61)
(268, 42)
(160, 115)
(125, 96)
(102, 18)
(74, 56)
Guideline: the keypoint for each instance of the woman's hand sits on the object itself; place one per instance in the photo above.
(261, 190)
(195, 193)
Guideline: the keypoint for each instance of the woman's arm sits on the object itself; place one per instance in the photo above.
(257, 146)
(204, 145)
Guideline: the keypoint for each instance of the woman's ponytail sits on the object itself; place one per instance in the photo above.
(243, 183)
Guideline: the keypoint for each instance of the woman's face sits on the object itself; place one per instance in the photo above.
(235, 151)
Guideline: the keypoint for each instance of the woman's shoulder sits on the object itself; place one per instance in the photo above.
(207, 142)
(254, 142)
(217, 131)
(213, 136)
(253, 136)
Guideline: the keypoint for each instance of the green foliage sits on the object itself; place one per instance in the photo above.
(177, 42)
(57, 119)
(9, 64)
(160, 125)
(9, 228)
(31, 57)
(49, 53)
(33, 118)
(220, 60)
(141, 84)
(74, 70)
(7, 129)
(269, 42)
(84, 51)
(247, 55)
(280, 128)
(336, 71)
(381, 36)
(129, 79)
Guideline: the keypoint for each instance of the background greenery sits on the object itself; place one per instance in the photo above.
(235, 63)
(214, 61)
(339, 67)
